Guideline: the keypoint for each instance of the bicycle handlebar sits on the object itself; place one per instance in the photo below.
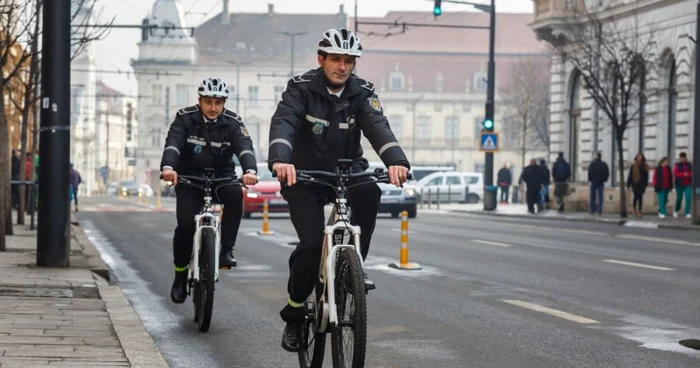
(200, 181)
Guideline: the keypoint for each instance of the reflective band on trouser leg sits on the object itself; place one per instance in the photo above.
(293, 304)
(180, 269)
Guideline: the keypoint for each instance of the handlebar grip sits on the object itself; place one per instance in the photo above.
(409, 176)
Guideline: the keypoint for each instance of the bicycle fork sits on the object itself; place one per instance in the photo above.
(331, 262)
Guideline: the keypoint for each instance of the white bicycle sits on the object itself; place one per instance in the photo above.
(203, 270)
(340, 306)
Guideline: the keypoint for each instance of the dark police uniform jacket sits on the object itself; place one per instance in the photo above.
(193, 144)
(312, 128)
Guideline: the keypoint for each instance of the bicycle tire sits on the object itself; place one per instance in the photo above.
(310, 330)
(207, 281)
(350, 281)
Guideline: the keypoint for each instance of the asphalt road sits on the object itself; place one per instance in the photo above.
(493, 292)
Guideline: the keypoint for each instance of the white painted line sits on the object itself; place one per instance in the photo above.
(638, 265)
(660, 240)
(587, 232)
(491, 243)
(551, 312)
(642, 224)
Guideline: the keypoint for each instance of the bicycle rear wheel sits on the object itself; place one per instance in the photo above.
(311, 355)
(349, 338)
(204, 289)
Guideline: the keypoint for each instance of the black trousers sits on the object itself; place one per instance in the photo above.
(306, 204)
(532, 196)
(189, 202)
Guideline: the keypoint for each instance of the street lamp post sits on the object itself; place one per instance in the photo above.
(238, 83)
(696, 130)
(293, 36)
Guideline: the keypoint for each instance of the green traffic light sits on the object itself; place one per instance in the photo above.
(437, 11)
(488, 124)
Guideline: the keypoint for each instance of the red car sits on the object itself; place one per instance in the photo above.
(266, 188)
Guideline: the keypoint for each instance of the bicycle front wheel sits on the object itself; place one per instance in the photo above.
(205, 286)
(349, 338)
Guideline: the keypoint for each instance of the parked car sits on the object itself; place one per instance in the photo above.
(266, 188)
(395, 200)
(451, 186)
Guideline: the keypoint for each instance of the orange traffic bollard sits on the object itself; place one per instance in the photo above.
(404, 264)
(266, 222)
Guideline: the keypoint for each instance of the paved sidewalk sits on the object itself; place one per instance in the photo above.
(520, 210)
(67, 317)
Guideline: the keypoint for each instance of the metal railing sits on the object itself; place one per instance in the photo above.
(33, 193)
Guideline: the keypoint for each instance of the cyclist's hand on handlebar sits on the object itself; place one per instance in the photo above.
(398, 175)
(170, 175)
(249, 179)
(285, 172)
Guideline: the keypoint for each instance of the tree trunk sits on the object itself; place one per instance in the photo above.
(621, 175)
(22, 161)
(5, 174)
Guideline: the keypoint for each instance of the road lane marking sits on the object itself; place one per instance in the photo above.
(551, 312)
(660, 240)
(638, 265)
(491, 243)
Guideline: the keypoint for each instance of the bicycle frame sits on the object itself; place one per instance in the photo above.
(337, 221)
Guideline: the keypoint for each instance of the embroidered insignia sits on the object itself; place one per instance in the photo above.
(198, 149)
(245, 131)
(375, 104)
(317, 128)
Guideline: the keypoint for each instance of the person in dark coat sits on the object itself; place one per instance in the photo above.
(561, 173)
(532, 176)
(598, 174)
(663, 184)
(544, 200)
(75, 180)
(638, 180)
(505, 180)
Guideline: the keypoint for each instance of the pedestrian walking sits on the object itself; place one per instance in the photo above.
(75, 180)
(638, 180)
(663, 183)
(598, 175)
(532, 176)
(683, 172)
(505, 180)
(561, 173)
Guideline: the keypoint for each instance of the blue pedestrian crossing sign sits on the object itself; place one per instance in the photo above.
(488, 142)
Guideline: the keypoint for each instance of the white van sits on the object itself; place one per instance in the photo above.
(451, 186)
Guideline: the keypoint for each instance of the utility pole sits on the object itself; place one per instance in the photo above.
(53, 238)
(238, 83)
(490, 203)
(293, 35)
(167, 106)
(696, 131)
(415, 125)
(106, 178)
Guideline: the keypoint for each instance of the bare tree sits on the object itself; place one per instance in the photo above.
(613, 56)
(20, 57)
(526, 99)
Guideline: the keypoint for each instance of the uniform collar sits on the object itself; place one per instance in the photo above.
(318, 85)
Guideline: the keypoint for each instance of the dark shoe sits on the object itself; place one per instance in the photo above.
(178, 293)
(369, 284)
(226, 259)
(291, 337)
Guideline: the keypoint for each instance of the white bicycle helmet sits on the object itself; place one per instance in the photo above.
(213, 87)
(340, 41)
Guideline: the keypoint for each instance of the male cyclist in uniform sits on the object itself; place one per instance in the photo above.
(320, 120)
(206, 136)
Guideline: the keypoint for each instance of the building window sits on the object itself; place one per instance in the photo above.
(452, 128)
(157, 94)
(252, 96)
(396, 124)
(278, 93)
(396, 79)
(480, 83)
(423, 129)
(181, 95)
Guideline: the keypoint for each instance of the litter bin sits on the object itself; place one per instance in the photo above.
(490, 195)
(515, 197)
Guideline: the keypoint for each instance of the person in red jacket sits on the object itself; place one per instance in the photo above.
(684, 180)
(663, 183)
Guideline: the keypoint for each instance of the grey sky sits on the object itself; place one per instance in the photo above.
(119, 47)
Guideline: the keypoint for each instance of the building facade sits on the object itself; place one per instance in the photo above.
(432, 84)
(664, 126)
(250, 51)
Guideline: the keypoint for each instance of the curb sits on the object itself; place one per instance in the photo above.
(91, 254)
(137, 344)
(620, 222)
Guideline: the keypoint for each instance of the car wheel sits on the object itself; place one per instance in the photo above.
(473, 198)
(412, 212)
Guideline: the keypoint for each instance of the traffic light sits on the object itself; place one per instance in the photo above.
(437, 10)
(488, 121)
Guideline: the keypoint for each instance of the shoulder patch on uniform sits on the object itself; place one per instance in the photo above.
(232, 115)
(375, 104)
(244, 131)
(304, 78)
(366, 84)
(188, 110)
